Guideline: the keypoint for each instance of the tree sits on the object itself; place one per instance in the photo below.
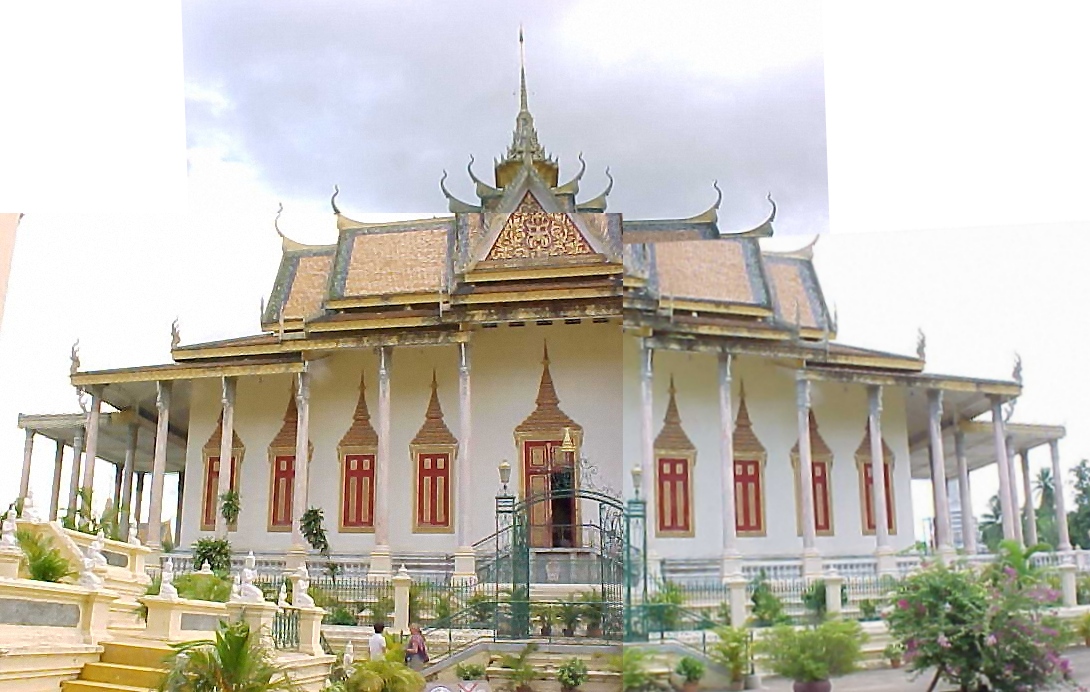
(991, 524)
(1045, 487)
(1078, 520)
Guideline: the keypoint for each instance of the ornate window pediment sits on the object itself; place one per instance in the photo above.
(675, 456)
(821, 458)
(358, 453)
(433, 452)
(750, 458)
(866, 495)
(212, 468)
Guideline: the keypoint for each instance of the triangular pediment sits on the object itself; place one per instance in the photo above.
(531, 225)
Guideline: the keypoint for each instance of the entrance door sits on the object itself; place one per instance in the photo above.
(552, 519)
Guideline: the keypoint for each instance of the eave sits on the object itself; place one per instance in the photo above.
(184, 371)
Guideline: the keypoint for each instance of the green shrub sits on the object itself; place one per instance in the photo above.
(814, 599)
(43, 561)
(522, 672)
(767, 606)
(311, 525)
(572, 673)
(664, 607)
(216, 552)
(813, 653)
(690, 669)
(732, 651)
(633, 668)
(230, 506)
(340, 615)
(469, 671)
(868, 609)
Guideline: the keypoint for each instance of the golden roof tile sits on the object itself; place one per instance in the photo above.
(361, 433)
(790, 291)
(713, 270)
(285, 439)
(672, 436)
(308, 288)
(547, 417)
(397, 262)
(435, 430)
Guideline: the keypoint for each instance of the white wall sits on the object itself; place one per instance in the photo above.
(841, 412)
(506, 371)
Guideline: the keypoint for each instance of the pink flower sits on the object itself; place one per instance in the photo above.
(943, 641)
(902, 604)
(991, 640)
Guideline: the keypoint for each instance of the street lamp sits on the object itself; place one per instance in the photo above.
(637, 479)
(505, 474)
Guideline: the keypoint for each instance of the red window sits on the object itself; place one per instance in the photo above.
(868, 496)
(674, 496)
(211, 491)
(748, 500)
(283, 480)
(823, 518)
(357, 510)
(433, 491)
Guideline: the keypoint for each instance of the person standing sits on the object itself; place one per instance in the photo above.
(377, 643)
(416, 652)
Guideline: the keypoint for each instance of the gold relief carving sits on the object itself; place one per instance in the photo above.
(532, 232)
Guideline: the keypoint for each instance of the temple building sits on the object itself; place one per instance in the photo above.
(408, 372)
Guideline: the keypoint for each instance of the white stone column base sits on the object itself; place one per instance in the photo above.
(946, 554)
(736, 583)
(886, 562)
(382, 566)
(812, 564)
(1068, 584)
(834, 584)
(731, 565)
(465, 566)
(259, 616)
(295, 558)
(402, 584)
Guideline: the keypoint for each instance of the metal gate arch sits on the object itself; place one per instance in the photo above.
(621, 552)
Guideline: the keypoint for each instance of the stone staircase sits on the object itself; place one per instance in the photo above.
(124, 667)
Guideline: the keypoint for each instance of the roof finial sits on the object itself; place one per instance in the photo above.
(522, 73)
(276, 221)
(333, 199)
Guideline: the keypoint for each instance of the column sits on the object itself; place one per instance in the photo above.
(227, 440)
(381, 564)
(1061, 509)
(1002, 462)
(732, 558)
(1016, 514)
(55, 494)
(28, 451)
(1028, 512)
(126, 479)
(811, 558)
(92, 442)
(302, 462)
(178, 510)
(968, 519)
(464, 559)
(647, 429)
(73, 483)
(159, 465)
(138, 503)
(882, 551)
(944, 548)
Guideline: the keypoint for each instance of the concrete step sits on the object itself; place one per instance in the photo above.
(120, 674)
(136, 654)
(89, 686)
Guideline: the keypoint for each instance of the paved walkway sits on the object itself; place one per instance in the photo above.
(889, 680)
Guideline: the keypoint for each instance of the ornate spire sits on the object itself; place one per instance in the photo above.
(525, 148)
(213, 444)
(672, 436)
(746, 441)
(435, 430)
(285, 439)
(547, 416)
(361, 433)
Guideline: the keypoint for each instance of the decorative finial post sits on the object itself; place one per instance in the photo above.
(1017, 372)
(175, 335)
(523, 105)
(333, 199)
(921, 344)
(74, 368)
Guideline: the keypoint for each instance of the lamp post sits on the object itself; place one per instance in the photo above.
(505, 477)
(635, 572)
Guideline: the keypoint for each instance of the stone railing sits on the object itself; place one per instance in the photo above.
(38, 612)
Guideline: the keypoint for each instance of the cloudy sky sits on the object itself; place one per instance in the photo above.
(149, 144)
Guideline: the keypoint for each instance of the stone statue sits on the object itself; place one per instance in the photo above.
(167, 590)
(236, 589)
(133, 540)
(87, 576)
(94, 551)
(206, 567)
(247, 592)
(299, 586)
(282, 596)
(7, 531)
(30, 512)
(349, 655)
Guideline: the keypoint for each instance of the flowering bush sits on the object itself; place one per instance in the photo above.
(980, 630)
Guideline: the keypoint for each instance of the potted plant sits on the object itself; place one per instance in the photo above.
(571, 674)
(691, 671)
(473, 677)
(593, 612)
(569, 615)
(811, 656)
(893, 653)
(868, 609)
(544, 617)
(522, 673)
(732, 652)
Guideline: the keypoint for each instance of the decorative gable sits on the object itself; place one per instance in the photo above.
(531, 233)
